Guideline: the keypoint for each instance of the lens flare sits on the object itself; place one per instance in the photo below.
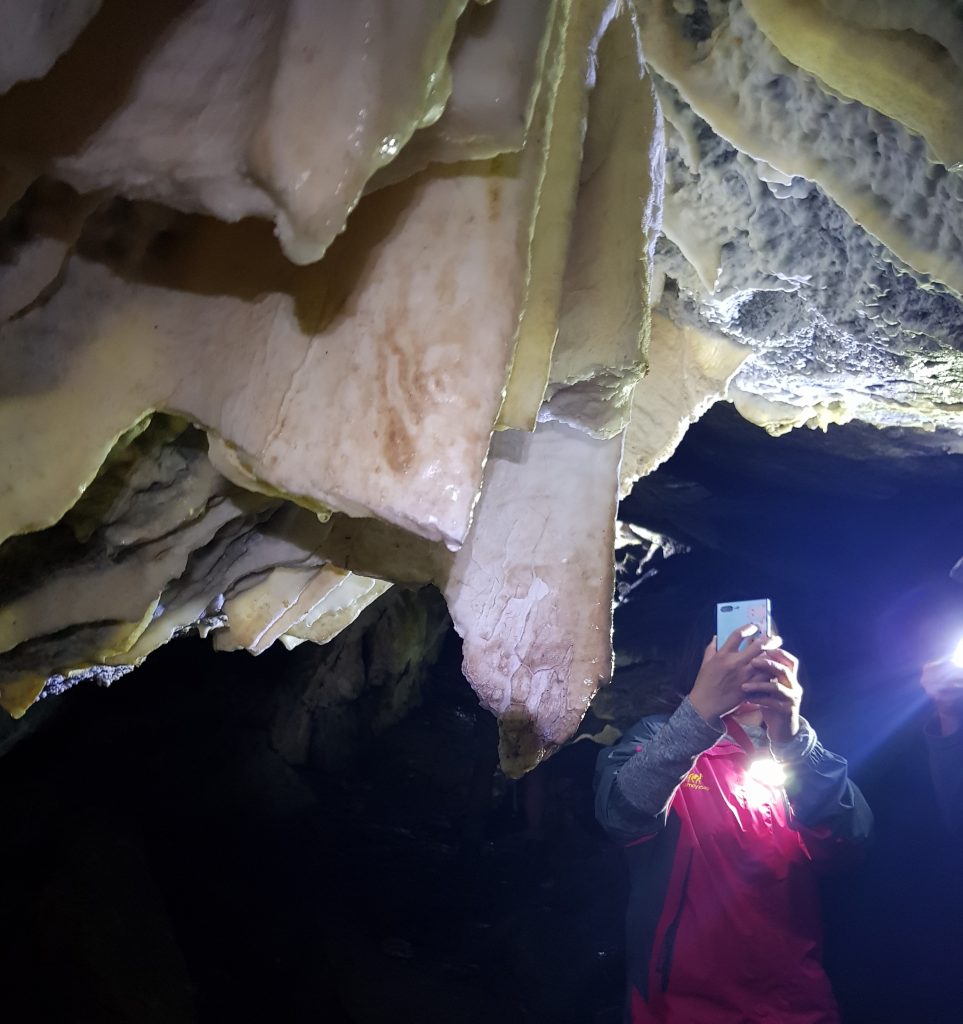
(957, 656)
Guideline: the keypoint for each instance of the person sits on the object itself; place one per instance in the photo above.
(723, 924)
(942, 682)
(917, 634)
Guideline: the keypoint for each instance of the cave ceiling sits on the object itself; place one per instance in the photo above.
(301, 301)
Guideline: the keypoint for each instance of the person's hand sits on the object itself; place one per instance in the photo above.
(718, 688)
(943, 684)
(778, 694)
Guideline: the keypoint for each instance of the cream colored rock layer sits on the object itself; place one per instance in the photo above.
(376, 346)
(904, 75)
(530, 591)
(497, 61)
(271, 108)
(599, 354)
(337, 611)
(554, 155)
(941, 20)
(294, 605)
(689, 371)
(258, 614)
(368, 383)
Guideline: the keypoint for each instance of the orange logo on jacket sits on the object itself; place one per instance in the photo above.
(694, 781)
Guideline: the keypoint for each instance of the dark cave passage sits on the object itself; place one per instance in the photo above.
(166, 860)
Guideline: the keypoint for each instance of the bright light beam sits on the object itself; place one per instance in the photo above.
(957, 656)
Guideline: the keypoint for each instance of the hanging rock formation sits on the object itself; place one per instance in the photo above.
(304, 299)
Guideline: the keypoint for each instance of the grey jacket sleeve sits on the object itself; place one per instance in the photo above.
(946, 765)
(636, 778)
(823, 798)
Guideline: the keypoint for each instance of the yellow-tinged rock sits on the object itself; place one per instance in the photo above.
(18, 694)
(103, 590)
(554, 149)
(496, 60)
(937, 19)
(689, 371)
(904, 75)
(259, 614)
(24, 673)
(336, 611)
(600, 352)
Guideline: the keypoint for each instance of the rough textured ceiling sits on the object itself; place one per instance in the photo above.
(816, 228)
(467, 334)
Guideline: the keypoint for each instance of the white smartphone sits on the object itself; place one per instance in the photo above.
(732, 615)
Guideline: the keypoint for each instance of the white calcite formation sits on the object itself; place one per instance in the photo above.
(301, 299)
(271, 278)
(270, 108)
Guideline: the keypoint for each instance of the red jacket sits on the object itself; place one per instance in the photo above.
(724, 920)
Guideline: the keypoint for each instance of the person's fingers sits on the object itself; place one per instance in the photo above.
(755, 672)
(777, 669)
(774, 687)
(785, 673)
(784, 658)
(770, 697)
(709, 651)
(780, 667)
(753, 647)
(731, 646)
(764, 700)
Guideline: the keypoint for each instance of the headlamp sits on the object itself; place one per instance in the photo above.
(767, 772)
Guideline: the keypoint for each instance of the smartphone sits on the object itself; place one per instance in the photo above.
(732, 615)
